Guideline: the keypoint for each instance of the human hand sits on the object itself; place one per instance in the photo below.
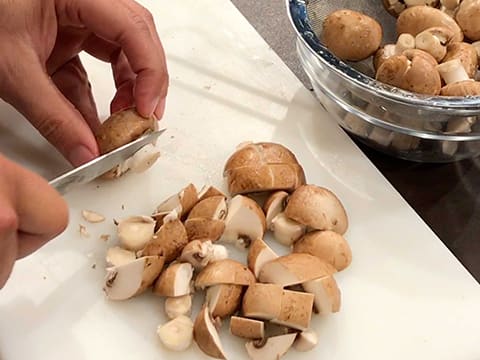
(42, 77)
(31, 213)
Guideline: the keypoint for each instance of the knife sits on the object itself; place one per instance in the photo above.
(92, 169)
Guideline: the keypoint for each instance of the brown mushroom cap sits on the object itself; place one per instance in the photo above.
(225, 271)
(467, 55)
(247, 328)
(467, 16)
(213, 207)
(318, 208)
(223, 299)
(121, 128)
(168, 241)
(351, 35)
(259, 254)
(326, 245)
(296, 310)
(175, 280)
(327, 296)
(204, 229)
(462, 88)
(206, 335)
(415, 19)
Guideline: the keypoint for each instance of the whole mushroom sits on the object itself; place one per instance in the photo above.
(467, 16)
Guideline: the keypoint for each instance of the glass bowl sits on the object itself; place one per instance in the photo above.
(399, 123)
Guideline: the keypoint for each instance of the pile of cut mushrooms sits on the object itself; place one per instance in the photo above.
(181, 250)
(437, 51)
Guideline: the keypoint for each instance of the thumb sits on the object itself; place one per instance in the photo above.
(31, 91)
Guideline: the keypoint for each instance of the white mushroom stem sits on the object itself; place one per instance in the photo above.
(177, 306)
(177, 334)
(404, 42)
(286, 231)
(450, 4)
(452, 71)
(434, 42)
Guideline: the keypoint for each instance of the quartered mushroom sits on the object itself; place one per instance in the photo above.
(295, 310)
(271, 348)
(306, 340)
(182, 202)
(274, 205)
(130, 279)
(317, 208)
(225, 271)
(327, 296)
(213, 207)
(209, 191)
(168, 241)
(200, 253)
(294, 269)
(203, 228)
(285, 230)
(117, 256)
(245, 221)
(259, 254)
(206, 335)
(223, 299)
(326, 245)
(177, 334)
(175, 280)
(262, 301)
(247, 328)
(135, 232)
(178, 306)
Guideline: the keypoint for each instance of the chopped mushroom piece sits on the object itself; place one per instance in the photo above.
(175, 280)
(178, 306)
(306, 340)
(214, 207)
(135, 232)
(247, 328)
(225, 271)
(177, 334)
(271, 348)
(116, 256)
(259, 254)
(203, 228)
(223, 299)
(285, 230)
(327, 294)
(262, 301)
(201, 253)
(206, 335)
(208, 191)
(296, 310)
(274, 205)
(182, 203)
(92, 216)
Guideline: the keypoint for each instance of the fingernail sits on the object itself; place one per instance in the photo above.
(80, 155)
(153, 105)
(160, 109)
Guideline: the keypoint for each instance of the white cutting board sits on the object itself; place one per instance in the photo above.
(405, 296)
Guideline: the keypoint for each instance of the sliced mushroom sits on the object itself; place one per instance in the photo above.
(206, 335)
(247, 328)
(209, 191)
(177, 334)
(116, 256)
(318, 208)
(416, 19)
(326, 245)
(201, 253)
(168, 241)
(296, 310)
(224, 299)
(351, 35)
(262, 301)
(270, 349)
(467, 55)
(175, 280)
(452, 71)
(178, 306)
(327, 294)
(125, 281)
(294, 269)
(92, 216)
(245, 221)
(259, 254)
(182, 203)
(467, 16)
(225, 271)
(274, 205)
(306, 340)
(135, 232)
(434, 41)
(285, 230)
(214, 207)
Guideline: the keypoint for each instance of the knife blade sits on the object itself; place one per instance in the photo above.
(93, 169)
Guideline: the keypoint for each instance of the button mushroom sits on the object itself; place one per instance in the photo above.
(395, 7)
(404, 42)
(467, 55)
(175, 280)
(452, 71)
(467, 16)
(271, 348)
(326, 245)
(434, 41)
(206, 335)
(177, 334)
(226, 271)
(206, 219)
(259, 254)
(247, 328)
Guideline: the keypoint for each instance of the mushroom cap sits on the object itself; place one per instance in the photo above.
(318, 208)
(213, 207)
(125, 281)
(203, 229)
(434, 40)
(223, 299)
(121, 128)
(461, 88)
(293, 269)
(168, 241)
(274, 205)
(247, 328)
(259, 254)
(225, 271)
(326, 245)
(351, 35)
(382, 54)
(411, 53)
(175, 280)
(206, 335)
(262, 301)
(296, 310)
(415, 19)
(467, 55)
(467, 17)
(327, 296)
(208, 191)
(273, 348)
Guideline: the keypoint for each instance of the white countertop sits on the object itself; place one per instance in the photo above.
(404, 296)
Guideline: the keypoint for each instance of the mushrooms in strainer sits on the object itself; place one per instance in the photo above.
(226, 271)
(223, 299)
(259, 254)
(200, 253)
(135, 232)
(175, 280)
(395, 7)
(177, 334)
(130, 279)
(247, 328)
(271, 348)
(245, 221)
(178, 306)
(467, 16)
(206, 335)
(404, 42)
(317, 208)
(467, 55)
(434, 41)
(351, 35)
